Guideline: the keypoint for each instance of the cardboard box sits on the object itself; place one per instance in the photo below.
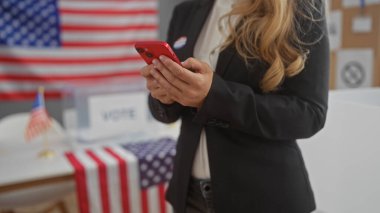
(336, 4)
(361, 40)
(352, 40)
(376, 76)
(364, 40)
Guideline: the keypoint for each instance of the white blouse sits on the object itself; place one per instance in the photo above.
(206, 50)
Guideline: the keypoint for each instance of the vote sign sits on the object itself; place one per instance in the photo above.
(117, 114)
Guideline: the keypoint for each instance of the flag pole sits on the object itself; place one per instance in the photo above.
(46, 152)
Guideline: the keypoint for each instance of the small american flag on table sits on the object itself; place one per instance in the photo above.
(124, 178)
(59, 42)
(39, 121)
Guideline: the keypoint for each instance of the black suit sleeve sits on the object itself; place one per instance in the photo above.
(298, 111)
(163, 112)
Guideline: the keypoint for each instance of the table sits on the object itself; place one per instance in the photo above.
(26, 169)
(36, 171)
(27, 179)
(140, 190)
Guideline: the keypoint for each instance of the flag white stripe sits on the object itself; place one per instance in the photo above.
(133, 178)
(87, 20)
(109, 36)
(153, 199)
(92, 180)
(69, 53)
(108, 5)
(11, 86)
(113, 180)
(71, 69)
(169, 208)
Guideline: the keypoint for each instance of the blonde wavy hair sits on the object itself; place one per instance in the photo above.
(269, 30)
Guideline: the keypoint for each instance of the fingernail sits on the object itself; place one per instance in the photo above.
(162, 58)
(155, 62)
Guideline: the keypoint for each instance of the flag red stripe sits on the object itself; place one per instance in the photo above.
(124, 189)
(144, 201)
(110, 12)
(39, 121)
(124, 44)
(54, 78)
(66, 27)
(81, 185)
(161, 196)
(67, 61)
(102, 172)
(21, 96)
(114, 1)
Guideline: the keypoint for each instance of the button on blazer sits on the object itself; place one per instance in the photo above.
(255, 163)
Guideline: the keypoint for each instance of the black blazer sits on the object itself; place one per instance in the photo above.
(255, 163)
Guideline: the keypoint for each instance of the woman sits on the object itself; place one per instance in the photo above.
(244, 99)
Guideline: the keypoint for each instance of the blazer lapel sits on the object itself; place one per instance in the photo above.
(196, 23)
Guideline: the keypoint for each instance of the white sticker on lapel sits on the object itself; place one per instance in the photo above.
(181, 42)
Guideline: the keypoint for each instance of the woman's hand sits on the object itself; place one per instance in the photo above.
(154, 88)
(188, 85)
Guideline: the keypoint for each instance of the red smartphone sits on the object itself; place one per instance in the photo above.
(150, 50)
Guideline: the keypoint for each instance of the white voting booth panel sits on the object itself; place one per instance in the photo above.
(343, 159)
(111, 112)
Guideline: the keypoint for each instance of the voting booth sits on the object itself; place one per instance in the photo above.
(343, 159)
(112, 112)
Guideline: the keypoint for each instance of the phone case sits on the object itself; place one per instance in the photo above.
(150, 50)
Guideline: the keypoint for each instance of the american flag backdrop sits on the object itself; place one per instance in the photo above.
(58, 42)
(124, 178)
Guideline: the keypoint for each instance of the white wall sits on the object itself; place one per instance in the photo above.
(343, 160)
(166, 7)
